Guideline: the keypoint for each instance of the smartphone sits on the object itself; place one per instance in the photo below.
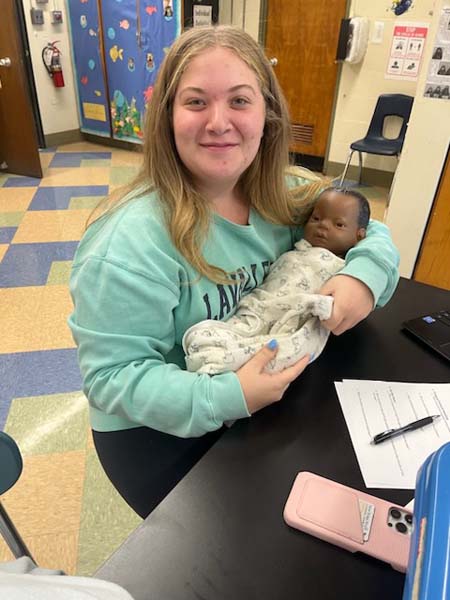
(350, 519)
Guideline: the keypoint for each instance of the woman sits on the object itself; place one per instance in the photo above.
(199, 227)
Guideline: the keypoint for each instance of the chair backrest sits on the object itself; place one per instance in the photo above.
(390, 105)
(10, 462)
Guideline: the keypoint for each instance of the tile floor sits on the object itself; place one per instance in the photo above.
(63, 505)
(65, 508)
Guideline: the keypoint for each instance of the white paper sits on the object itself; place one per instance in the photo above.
(371, 407)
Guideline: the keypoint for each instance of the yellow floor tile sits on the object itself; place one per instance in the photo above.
(49, 551)
(85, 147)
(377, 209)
(52, 226)
(45, 506)
(46, 159)
(3, 249)
(76, 176)
(35, 318)
(5, 552)
(15, 199)
(126, 158)
(90, 440)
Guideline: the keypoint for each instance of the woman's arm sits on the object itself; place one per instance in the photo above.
(124, 328)
(375, 260)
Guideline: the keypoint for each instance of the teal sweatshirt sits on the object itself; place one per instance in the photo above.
(134, 297)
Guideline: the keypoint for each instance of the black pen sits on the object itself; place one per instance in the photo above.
(390, 433)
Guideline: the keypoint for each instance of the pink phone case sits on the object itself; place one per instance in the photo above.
(350, 519)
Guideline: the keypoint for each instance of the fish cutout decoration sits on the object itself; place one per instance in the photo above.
(116, 53)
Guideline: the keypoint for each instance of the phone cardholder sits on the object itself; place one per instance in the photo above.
(333, 509)
(351, 519)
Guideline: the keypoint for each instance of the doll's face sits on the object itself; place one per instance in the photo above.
(333, 224)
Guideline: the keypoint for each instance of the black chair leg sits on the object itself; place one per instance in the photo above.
(360, 167)
(12, 536)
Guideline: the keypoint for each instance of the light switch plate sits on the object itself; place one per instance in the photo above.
(37, 16)
(377, 32)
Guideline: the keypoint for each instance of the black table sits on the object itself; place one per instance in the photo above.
(220, 534)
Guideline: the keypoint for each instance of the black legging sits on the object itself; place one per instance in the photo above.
(144, 464)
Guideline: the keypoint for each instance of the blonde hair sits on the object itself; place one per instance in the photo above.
(187, 213)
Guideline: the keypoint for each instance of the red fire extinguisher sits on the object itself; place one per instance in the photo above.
(51, 57)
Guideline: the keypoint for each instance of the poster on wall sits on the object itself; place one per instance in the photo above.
(438, 79)
(408, 42)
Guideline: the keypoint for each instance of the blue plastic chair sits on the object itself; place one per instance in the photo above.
(398, 105)
(10, 470)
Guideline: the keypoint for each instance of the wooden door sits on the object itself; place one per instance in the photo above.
(303, 35)
(433, 265)
(18, 137)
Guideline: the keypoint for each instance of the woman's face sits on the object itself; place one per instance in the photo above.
(218, 118)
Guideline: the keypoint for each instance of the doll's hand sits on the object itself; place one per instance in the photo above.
(353, 302)
(261, 388)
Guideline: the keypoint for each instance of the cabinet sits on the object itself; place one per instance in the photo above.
(118, 46)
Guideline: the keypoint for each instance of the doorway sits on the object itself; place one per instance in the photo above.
(19, 116)
(302, 37)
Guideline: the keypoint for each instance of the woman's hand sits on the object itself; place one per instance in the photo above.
(353, 302)
(261, 388)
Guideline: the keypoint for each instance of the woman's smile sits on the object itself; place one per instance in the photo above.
(218, 147)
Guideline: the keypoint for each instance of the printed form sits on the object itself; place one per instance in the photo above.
(371, 407)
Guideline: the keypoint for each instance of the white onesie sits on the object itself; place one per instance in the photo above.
(285, 306)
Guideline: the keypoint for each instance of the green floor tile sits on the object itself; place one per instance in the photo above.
(374, 193)
(45, 424)
(10, 219)
(59, 272)
(96, 162)
(84, 202)
(121, 175)
(106, 519)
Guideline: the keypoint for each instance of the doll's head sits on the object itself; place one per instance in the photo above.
(338, 220)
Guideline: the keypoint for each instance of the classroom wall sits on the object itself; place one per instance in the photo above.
(242, 13)
(417, 177)
(58, 106)
(426, 144)
(361, 84)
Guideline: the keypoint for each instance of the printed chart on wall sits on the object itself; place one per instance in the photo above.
(438, 78)
(406, 52)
